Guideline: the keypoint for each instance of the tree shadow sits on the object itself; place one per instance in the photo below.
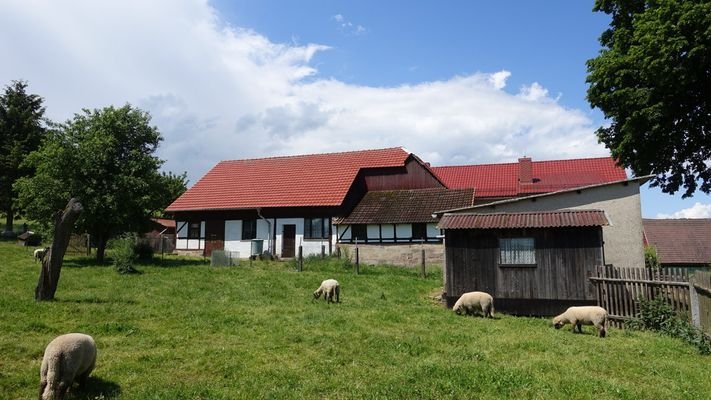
(84, 262)
(97, 388)
(171, 263)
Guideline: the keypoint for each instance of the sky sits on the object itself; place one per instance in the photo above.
(457, 82)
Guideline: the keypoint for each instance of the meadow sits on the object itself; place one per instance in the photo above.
(184, 330)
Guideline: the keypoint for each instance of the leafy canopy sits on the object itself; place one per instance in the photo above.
(652, 80)
(106, 159)
(21, 132)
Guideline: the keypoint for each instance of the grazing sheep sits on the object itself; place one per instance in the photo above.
(329, 288)
(40, 253)
(67, 358)
(587, 315)
(470, 302)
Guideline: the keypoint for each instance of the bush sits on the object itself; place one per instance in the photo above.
(143, 250)
(656, 315)
(651, 259)
(124, 254)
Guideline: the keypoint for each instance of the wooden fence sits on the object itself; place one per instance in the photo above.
(619, 290)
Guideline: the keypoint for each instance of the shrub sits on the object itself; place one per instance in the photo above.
(124, 254)
(656, 315)
(143, 250)
(651, 260)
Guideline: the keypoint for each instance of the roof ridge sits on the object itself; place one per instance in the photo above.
(314, 154)
(516, 162)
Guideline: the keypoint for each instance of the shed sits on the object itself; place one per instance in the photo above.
(533, 263)
(680, 242)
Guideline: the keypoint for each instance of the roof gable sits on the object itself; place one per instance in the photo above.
(406, 206)
(680, 241)
(291, 181)
(502, 180)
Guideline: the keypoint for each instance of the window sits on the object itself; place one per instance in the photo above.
(517, 251)
(194, 230)
(249, 229)
(419, 231)
(315, 228)
(359, 232)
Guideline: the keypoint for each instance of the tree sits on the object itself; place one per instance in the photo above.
(652, 80)
(105, 158)
(21, 132)
(52, 261)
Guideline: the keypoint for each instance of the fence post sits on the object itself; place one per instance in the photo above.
(357, 259)
(694, 300)
(422, 265)
(88, 245)
(323, 251)
(301, 258)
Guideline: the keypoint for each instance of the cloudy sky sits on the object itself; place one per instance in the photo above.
(460, 84)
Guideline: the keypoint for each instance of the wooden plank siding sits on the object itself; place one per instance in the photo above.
(565, 259)
(702, 284)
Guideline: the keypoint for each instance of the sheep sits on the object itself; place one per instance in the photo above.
(329, 288)
(40, 253)
(586, 315)
(67, 358)
(470, 302)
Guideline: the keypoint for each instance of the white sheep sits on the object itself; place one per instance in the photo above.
(40, 253)
(471, 302)
(586, 315)
(329, 288)
(67, 358)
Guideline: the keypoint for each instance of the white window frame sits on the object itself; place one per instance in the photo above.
(519, 252)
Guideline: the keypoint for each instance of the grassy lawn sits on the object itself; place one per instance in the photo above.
(184, 330)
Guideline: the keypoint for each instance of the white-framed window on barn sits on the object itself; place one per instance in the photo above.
(194, 230)
(316, 228)
(517, 252)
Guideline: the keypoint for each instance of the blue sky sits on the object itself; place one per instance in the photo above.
(455, 82)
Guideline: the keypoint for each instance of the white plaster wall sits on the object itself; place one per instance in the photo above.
(621, 203)
(340, 231)
(189, 244)
(403, 231)
(432, 230)
(233, 237)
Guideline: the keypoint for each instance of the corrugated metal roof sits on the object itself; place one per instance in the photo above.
(541, 219)
(502, 180)
(680, 241)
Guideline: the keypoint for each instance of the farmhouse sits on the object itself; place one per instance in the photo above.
(285, 202)
(680, 242)
(534, 253)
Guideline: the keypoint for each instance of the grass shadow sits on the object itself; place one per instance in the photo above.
(97, 388)
(176, 262)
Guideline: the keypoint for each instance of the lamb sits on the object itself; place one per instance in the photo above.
(587, 315)
(329, 288)
(470, 302)
(67, 358)
(40, 253)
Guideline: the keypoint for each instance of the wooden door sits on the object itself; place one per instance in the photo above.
(288, 241)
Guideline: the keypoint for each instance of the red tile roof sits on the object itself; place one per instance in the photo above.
(406, 206)
(680, 241)
(168, 223)
(292, 181)
(502, 180)
(542, 219)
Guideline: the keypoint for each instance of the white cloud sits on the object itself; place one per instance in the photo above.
(698, 210)
(348, 26)
(221, 92)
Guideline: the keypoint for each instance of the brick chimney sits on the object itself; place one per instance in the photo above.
(525, 170)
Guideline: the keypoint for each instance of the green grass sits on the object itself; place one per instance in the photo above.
(184, 330)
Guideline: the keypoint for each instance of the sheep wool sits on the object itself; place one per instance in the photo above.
(329, 288)
(40, 253)
(586, 315)
(67, 358)
(472, 302)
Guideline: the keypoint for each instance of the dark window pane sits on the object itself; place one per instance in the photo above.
(249, 229)
(419, 231)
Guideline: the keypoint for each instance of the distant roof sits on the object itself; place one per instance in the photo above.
(168, 223)
(680, 241)
(502, 180)
(541, 219)
(291, 181)
(406, 206)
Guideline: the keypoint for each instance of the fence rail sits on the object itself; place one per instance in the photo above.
(619, 291)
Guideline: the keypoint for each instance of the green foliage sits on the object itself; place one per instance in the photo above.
(21, 132)
(106, 159)
(657, 315)
(652, 82)
(124, 254)
(143, 250)
(651, 260)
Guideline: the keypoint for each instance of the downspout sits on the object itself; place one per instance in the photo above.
(269, 228)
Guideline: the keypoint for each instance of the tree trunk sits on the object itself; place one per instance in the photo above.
(52, 261)
(101, 248)
(9, 220)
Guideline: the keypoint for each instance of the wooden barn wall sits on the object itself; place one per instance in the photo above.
(412, 176)
(565, 258)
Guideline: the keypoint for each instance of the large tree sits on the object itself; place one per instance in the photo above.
(21, 132)
(105, 158)
(652, 80)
